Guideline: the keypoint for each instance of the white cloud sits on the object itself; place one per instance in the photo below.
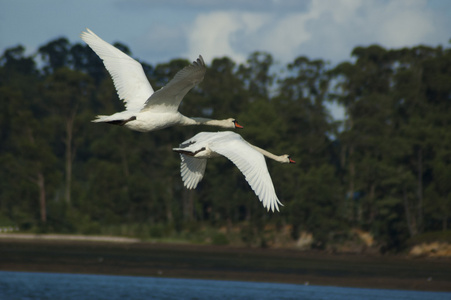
(161, 42)
(286, 36)
(214, 33)
(237, 34)
(325, 29)
(221, 5)
(406, 24)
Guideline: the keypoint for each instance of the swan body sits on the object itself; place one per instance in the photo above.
(248, 158)
(147, 110)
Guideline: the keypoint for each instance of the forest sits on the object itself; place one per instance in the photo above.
(385, 169)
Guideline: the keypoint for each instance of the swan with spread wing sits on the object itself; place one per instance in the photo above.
(147, 110)
(249, 159)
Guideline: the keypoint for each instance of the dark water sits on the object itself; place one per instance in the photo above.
(26, 285)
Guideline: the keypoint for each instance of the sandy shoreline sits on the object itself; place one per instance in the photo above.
(124, 256)
(68, 237)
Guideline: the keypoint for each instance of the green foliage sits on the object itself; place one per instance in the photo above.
(386, 170)
(219, 239)
(430, 237)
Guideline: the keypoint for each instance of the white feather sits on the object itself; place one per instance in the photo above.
(128, 75)
(169, 97)
(192, 170)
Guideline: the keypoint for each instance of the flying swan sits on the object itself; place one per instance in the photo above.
(147, 110)
(248, 158)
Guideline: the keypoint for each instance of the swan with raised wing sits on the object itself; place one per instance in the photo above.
(147, 110)
(249, 159)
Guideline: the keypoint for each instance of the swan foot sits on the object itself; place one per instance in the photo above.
(189, 153)
(121, 122)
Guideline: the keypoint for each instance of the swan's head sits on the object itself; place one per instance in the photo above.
(232, 123)
(286, 159)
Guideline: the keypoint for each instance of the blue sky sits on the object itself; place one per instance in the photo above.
(157, 31)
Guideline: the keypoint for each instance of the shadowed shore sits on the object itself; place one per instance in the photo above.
(131, 257)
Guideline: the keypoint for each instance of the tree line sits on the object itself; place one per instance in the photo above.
(385, 169)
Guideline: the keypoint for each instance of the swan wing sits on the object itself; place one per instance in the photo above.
(192, 170)
(168, 98)
(128, 75)
(252, 164)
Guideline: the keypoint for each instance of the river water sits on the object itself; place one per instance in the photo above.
(28, 285)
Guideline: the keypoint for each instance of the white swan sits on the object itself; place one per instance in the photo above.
(248, 158)
(146, 110)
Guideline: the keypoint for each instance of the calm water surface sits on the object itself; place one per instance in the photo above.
(26, 285)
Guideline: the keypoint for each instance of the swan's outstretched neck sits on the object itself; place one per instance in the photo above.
(269, 154)
(205, 121)
(200, 121)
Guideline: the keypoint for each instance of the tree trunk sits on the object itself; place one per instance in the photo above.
(351, 189)
(169, 215)
(124, 159)
(168, 202)
(42, 197)
(188, 205)
(40, 182)
(69, 129)
(353, 207)
(409, 218)
(371, 202)
(420, 189)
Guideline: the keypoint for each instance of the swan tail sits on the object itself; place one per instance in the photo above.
(100, 119)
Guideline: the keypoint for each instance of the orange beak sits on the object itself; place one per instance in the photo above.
(292, 161)
(238, 125)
